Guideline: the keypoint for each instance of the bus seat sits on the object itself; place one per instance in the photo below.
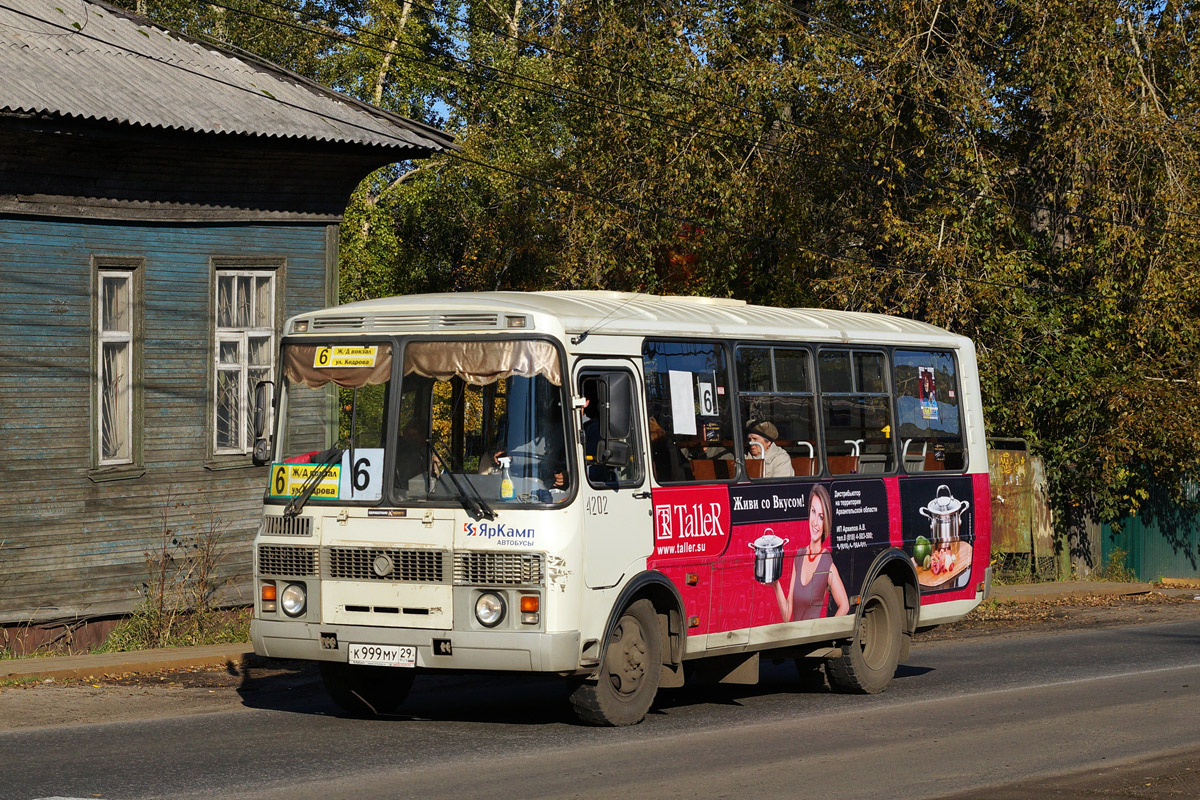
(803, 466)
(933, 464)
(874, 463)
(754, 467)
(704, 469)
(842, 465)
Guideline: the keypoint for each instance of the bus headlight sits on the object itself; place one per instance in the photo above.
(489, 609)
(293, 599)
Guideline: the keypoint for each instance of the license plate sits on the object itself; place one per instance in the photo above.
(380, 655)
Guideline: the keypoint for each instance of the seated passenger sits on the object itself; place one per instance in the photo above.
(668, 461)
(776, 461)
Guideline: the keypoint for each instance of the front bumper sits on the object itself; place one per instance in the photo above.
(510, 651)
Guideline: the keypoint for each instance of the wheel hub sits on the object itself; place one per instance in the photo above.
(626, 657)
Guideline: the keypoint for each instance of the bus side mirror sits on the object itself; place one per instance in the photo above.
(620, 405)
(262, 409)
(615, 398)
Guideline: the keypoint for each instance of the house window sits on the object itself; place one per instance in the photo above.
(115, 384)
(244, 353)
(117, 353)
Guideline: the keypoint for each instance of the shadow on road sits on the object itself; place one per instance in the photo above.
(295, 687)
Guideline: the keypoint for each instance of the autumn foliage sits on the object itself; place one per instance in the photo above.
(1021, 172)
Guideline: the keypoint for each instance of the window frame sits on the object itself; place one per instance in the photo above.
(219, 456)
(953, 353)
(594, 369)
(888, 394)
(392, 494)
(132, 465)
(812, 394)
(725, 346)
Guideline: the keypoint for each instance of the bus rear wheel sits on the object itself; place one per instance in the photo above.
(623, 689)
(869, 660)
(363, 691)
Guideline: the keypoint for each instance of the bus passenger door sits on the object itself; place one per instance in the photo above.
(614, 487)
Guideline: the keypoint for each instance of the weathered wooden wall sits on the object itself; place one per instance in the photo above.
(71, 546)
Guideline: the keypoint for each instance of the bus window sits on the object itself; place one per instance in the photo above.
(775, 386)
(855, 412)
(688, 415)
(928, 429)
(482, 420)
(592, 386)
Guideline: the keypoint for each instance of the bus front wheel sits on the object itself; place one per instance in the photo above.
(363, 691)
(622, 690)
(869, 659)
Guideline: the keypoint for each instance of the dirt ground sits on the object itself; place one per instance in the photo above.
(1045, 616)
(199, 691)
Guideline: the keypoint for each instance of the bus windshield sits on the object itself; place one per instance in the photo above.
(483, 418)
(479, 422)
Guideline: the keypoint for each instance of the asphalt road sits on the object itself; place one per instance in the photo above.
(989, 717)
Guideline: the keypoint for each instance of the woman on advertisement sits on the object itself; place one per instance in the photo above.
(814, 576)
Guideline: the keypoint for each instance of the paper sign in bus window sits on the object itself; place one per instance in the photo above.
(345, 357)
(683, 403)
(927, 393)
(708, 399)
(362, 478)
(288, 480)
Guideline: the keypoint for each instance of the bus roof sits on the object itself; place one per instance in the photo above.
(612, 313)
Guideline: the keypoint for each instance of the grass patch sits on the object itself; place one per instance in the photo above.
(1114, 568)
(146, 629)
(25, 680)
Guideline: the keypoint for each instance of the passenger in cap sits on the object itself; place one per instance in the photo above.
(776, 461)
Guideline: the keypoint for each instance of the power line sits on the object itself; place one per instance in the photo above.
(257, 94)
(637, 207)
(688, 93)
(636, 112)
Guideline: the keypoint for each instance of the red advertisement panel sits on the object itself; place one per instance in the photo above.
(750, 554)
(690, 524)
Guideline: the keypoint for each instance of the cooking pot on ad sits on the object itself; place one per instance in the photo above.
(768, 557)
(944, 513)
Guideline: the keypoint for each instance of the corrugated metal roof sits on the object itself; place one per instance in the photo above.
(624, 313)
(85, 60)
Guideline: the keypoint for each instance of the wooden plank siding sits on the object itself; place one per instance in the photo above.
(73, 546)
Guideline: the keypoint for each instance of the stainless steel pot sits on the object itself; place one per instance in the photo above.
(945, 515)
(768, 557)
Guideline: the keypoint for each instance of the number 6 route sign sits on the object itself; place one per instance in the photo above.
(361, 480)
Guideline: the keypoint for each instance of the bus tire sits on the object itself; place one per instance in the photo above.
(623, 689)
(364, 691)
(869, 659)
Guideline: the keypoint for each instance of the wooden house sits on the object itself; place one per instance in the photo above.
(164, 206)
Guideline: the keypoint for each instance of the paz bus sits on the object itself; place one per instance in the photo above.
(617, 488)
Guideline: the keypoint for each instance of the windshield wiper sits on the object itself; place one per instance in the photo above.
(325, 461)
(476, 506)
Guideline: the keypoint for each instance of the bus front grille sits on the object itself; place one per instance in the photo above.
(407, 565)
(287, 526)
(497, 569)
(282, 559)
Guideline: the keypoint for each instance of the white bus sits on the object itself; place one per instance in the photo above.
(616, 488)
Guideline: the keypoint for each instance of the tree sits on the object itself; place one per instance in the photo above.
(1022, 172)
